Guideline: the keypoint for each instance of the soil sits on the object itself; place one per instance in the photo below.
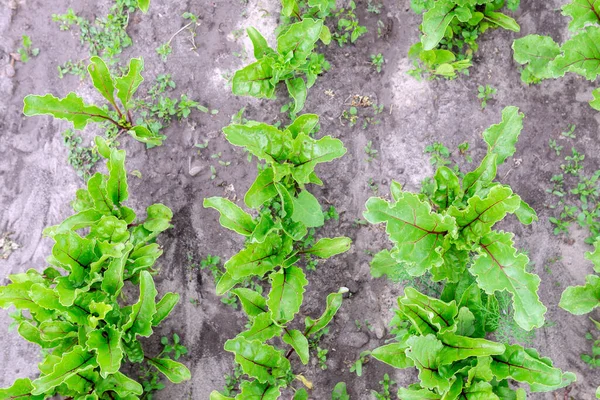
(37, 183)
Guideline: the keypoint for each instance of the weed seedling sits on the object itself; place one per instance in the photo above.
(486, 93)
(377, 61)
(82, 158)
(26, 50)
(357, 367)
(555, 146)
(385, 394)
(570, 132)
(370, 151)
(348, 26)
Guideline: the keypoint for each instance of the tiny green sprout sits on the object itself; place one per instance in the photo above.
(385, 394)
(357, 367)
(374, 7)
(377, 61)
(322, 358)
(570, 132)
(370, 151)
(164, 50)
(555, 146)
(27, 50)
(486, 93)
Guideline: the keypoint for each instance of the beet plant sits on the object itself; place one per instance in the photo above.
(543, 58)
(449, 230)
(445, 340)
(89, 307)
(450, 30)
(275, 245)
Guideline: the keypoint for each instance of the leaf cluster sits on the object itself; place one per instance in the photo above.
(444, 340)
(275, 244)
(450, 30)
(80, 311)
(543, 58)
(449, 230)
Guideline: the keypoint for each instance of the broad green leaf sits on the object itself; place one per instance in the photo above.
(340, 392)
(435, 22)
(482, 176)
(128, 84)
(523, 366)
(120, 384)
(416, 392)
(503, 21)
(393, 354)
(596, 102)
(594, 256)
(20, 389)
(285, 297)
(144, 135)
(582, 12)
(297, 90)
(175, 371)
(262, 190)
(383, 263)
(77, 221)
(164, 307)
(255, 79)
(258, 360)
(102, 80)
(537, 52)
(305, 123)
(526, 214)
(71, 108)
(580, 55)
(32, 334)
(55, 329)
(298, 41)
(307, 210)
(502, 138)
(17, 294)
(299, 343)
(143, 258)
(50, 300)
(71, 363)
(255, 390)
(308, 152)
(429, 315)
(458, 348)
(329, 247)
(416, 231)
(144, 5)
(253, 303)
(214, 395)
(261, 47)
(116, 185)
(256, 258)
(74, 253)
(263, 141)
(142, 312)
(499, 267)
(581, 300)
(289, 7)
(263, 328)
(113, 276)
(480, 215)
(225, 284)
(109, 353)
(158, 218)
(425, 353)
(447, 187)
(97, 190)
(231, 216)
(334, 302)
(301, 394)
(112, 231)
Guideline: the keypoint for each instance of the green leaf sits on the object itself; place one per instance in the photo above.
(158, 218)
(144, 5)
(71, 363)
(416, 392)
(393, 354)
(537, 53)
(299, 343)
(54, 330)
(458, 348)
(297, 42)
(258, 360)
(416, 231)
(482, 176)
(116, 185)
(261, 47)
(261, 140)
(21, 389)
(427, 314)
(307, 210)
(109, 353)
(255, 80)
(263, 328)
(214, 395)
(334, 302)
(525, 366)
(297, 89)
(305, 123)
(175, 371)
(301, 394)
(164, 307)
(289, 7)
(231, 216)
(253, 303)
(383, 263)
(581, 300)
(308, 152)
(71, 108)
(425, 353)
(447, 187)
(144, 135)
(580, 55)
(128, 84)
(340, 392)
(502, 138)
(102, 80)
(526, 214)
(329, 247)
(582, 12)
(435, 22)
(503, 21)
(285, 297)
(262, 190)
(142, 312)
(499, 267)
(256, 390)
(113, 276)
(74, 253)
(17, 294)
(120, 384)
(256, 258)
(596, 102)
(225, 284)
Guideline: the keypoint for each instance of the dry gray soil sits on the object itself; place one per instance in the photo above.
(37, 183)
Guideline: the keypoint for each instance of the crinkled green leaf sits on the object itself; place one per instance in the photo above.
(71, 363)
(435, 22)
(416, 231)
(255, 79)
(109, 353)
(298, 91)
(523, 366)
(581, 300)
(225, 284)
(536, 52)
(595, 103)
(416, 392)
(253, 303)
(305, 123)
(582, 12)
(54, 330)
(447, 187)
(175, 371)
(263, 141)
(113, 276)
(299, 343)
(20, 389)
(428, 315)
(393, 354)
(334, 302)
(158, 218)
(526, 214)
(258, 360)
(308, 152)
(262, 190)
(298, 41)
(263, 328)
(71, 108)
(307, 210)
(231, 216)
(255, 390)
(458, 348)
(142, 312)
(128, 84)
(285, 297)
(502, 138)
(329, 247)
(383, 263)
(257, 258)
(164, 307)
(17, 294)
(580, 55)
(214, 395)
(425, 353)
(120, 384)
(499, 267)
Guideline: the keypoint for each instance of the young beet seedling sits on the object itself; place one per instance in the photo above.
(274, 247)
(84, 321)
(73, 109)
